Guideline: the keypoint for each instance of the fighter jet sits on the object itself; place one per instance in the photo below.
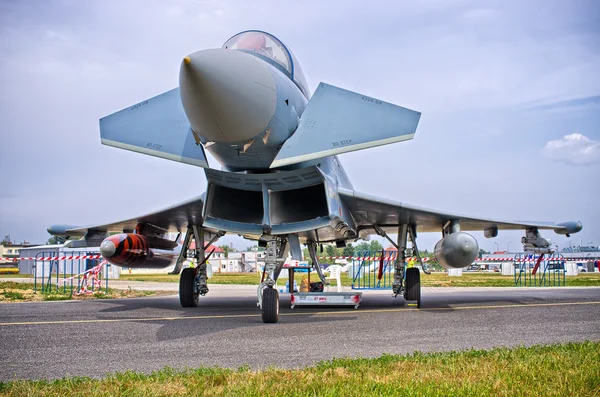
(280, 181)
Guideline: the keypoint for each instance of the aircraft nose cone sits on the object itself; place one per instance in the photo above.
(107, 248)
(227, 95)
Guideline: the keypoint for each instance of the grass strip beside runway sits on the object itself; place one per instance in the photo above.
(23, 292)
(476, 279)
(566, 370)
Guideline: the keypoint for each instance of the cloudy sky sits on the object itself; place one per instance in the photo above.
(509, 93)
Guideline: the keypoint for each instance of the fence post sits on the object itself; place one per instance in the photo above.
(35, 276)
(43, 273)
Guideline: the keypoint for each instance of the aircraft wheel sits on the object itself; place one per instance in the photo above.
(188, 294)
(270, 305)
(413, 285)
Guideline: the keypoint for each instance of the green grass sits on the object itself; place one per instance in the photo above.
(557, 370)
(584, 280)
(11, 291)
(9, 275)
(217, 278)
(476, 279)
(55, 297)
(12, 285)
(13, 295)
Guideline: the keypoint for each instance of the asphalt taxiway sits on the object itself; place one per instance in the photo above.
(96, 337)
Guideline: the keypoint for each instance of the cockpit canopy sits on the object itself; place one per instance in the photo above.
(267, 46)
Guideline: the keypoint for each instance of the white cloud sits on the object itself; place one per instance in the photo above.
(573, 149)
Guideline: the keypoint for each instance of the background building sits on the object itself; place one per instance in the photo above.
(60, 268)
(10, 251)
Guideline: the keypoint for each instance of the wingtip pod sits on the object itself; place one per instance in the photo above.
(64, 230)
(568, 228)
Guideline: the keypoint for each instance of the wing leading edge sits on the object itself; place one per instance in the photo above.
(158, 127)
(388, 214)
(175, 218)
(338, 121)
(367, 211)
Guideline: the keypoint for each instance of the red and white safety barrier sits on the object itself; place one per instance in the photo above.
(519, 260)
(369, 258)
(90, 275)
(496, 259)
(56, 258)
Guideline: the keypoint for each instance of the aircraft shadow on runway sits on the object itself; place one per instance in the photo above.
(211, 316)
(448, 302)
(217, 314)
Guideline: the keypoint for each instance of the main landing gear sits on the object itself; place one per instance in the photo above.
(188, 288)
(192, 282)
(407, 282)
(412, 289)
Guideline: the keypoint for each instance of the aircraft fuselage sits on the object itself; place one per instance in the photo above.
(241, 106)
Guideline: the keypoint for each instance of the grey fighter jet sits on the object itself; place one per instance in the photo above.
(280, 182)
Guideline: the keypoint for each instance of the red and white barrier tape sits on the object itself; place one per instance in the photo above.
(393, 257)
(56, 258)
(86, 277)
(95, 270)
(522, 259)
(496, 259)
(369, 258)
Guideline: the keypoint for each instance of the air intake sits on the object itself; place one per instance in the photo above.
(298, 205)
(234, 205)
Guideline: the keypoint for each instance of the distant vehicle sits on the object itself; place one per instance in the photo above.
(555, 265)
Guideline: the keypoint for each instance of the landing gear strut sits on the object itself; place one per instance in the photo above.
(268, 297)
(192, 283)
(407, 282)
(312, 251)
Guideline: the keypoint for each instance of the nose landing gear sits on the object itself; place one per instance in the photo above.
(268, 297)
(270, 305)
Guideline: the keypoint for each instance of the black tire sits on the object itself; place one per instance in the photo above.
(187, 291)
(270, 305)
(413, 285)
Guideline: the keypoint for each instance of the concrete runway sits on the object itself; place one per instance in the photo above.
(92, 338)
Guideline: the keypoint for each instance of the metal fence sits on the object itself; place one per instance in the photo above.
(373, 269)
(536, 271)
(73, 273)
